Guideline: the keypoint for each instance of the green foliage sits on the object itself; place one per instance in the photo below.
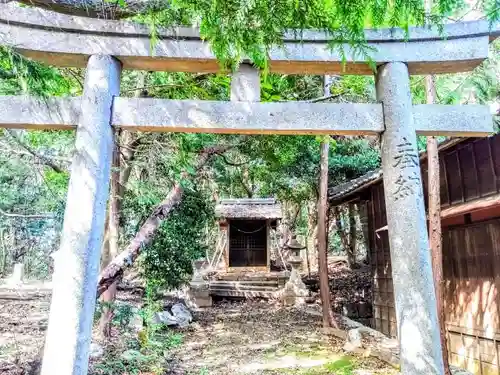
(122, 313)
(236, 29)
(352, 158)
(137, 359)
(168, 260)
(144, 352)
(21, 75)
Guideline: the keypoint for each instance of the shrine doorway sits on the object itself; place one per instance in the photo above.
(248, 243)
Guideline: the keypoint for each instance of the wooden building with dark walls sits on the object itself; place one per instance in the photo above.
(246, 224)
(470, 199)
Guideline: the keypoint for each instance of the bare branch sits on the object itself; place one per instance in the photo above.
(233, 164)
(39, 216)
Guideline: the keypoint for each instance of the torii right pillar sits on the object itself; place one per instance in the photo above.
(415, 299)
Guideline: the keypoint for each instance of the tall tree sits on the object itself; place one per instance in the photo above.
(435, 239)
(324, 286)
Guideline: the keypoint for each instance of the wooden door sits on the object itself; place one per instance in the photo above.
(248, 243)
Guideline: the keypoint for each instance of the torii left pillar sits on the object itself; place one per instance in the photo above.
(76, 270)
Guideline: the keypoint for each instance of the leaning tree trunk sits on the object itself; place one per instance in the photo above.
(119, 178)
(324, 285)
(148, 230)
(435, 223)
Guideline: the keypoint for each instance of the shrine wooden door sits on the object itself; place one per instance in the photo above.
(248, 243)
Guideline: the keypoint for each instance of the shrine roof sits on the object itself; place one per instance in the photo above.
(339, 194)
(248, 208)
(347, 188)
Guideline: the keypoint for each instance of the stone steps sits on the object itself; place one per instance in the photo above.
(245, 289)
(245, 284)
(241, 293)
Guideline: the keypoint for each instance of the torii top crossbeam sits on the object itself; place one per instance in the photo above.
(68, 41)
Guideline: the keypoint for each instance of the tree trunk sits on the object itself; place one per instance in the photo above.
(108, 297)
(324, 286)
(341, 231)
(119, 179)
(351, 254)
(148, 230)
(312, 230)
(435, 223)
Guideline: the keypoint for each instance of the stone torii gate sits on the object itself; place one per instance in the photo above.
(106, 47)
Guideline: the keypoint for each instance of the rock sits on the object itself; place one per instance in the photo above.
(458, 371)
(96, 350)
(132, 355)
(353, 340)
(164, 317)
(180, 316)
(136, 323)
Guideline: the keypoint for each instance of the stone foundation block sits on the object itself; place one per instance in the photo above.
(200, 295)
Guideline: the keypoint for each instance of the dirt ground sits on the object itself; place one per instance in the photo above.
(23, 322)
(261, 338)
(255, 337)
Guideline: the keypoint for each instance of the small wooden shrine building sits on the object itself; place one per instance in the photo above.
(246, 225)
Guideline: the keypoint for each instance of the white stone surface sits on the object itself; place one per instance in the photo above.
(179, 316)
(17, 275)
(244, 83)
(96, 350)
(59, 40)
(77, 264)
(415, 300)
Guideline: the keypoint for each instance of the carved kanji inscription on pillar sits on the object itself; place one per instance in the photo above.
(406, 158)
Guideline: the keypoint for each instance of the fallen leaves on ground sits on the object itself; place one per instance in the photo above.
(259, 337)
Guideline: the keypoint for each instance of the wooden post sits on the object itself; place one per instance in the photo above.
(77, 262)
(415, 298)
(435, 237)
(322, 236)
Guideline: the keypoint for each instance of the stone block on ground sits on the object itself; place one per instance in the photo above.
(182, 315)
(458, 371)
(96, 350)
(17, 275)
(199, 296)
(353, 340)
(179, 316)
